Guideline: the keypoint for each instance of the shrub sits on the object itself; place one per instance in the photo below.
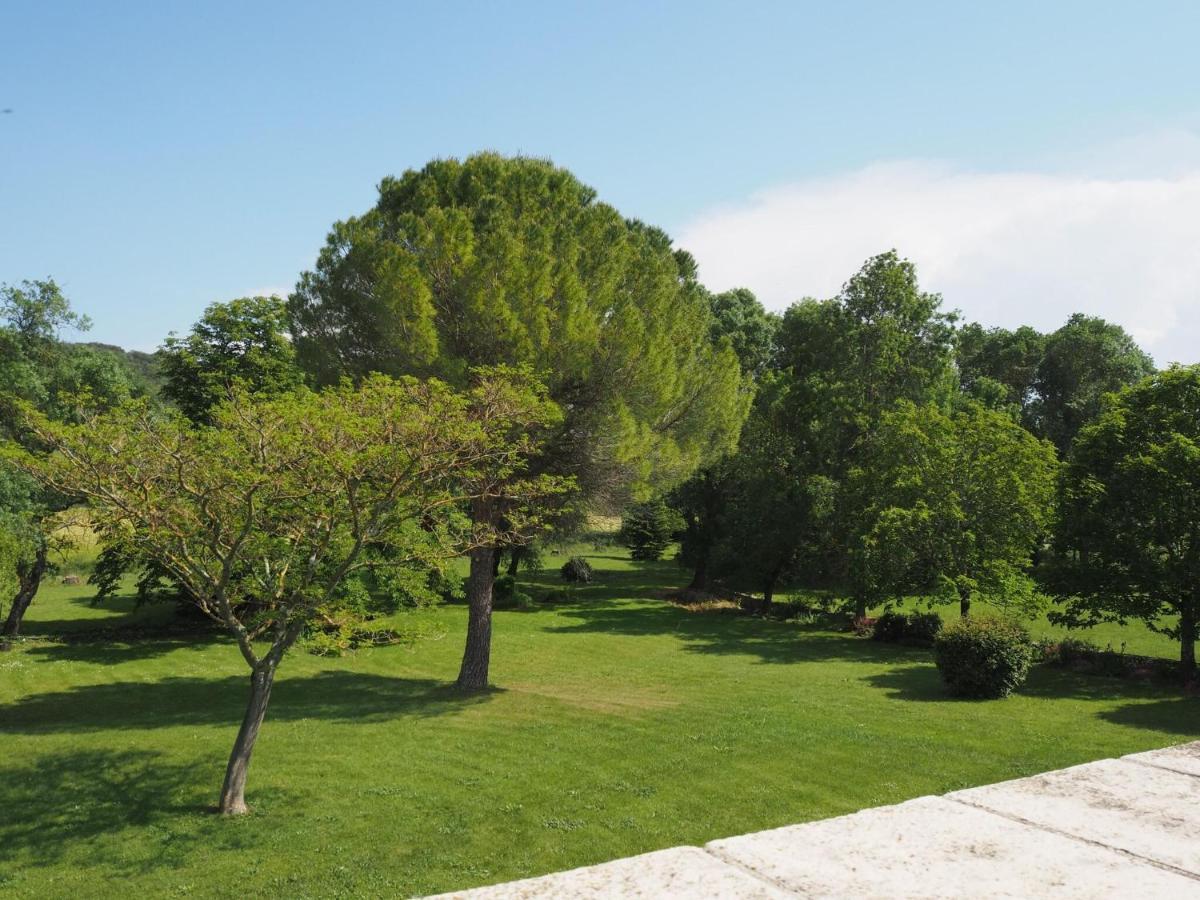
(576, 570)
(983, 657)
(506, 596)
(890, 627)
(647, 528)
(923, 629)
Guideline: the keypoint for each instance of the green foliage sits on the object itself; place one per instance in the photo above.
(1082, 361)
(1130, 499)
(983, 657)
(844, 363)
(272, 516)
(648, 528)
(512, 260)
(240, 345)
(953, 505)
(998, 367)
(61, 381)
(890, 627)
(741, 321)
(576, 570)
(142, 368)
(923, 628)
(917, 629)
(37, 311)
(705, 499)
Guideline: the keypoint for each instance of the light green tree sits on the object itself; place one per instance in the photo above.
(953, 506)
(497, 260)
(1129, 529)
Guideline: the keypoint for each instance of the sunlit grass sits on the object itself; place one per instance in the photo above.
(618, 724)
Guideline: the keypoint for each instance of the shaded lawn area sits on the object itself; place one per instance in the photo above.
(618, 724)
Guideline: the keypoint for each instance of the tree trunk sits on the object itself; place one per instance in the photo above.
(516, 554)
(30, 579)
(473, 674)
(769, 586)
(860, 607)
(700, 574)
(1187, 641)
(964, 603)
(233, 791)
(497, 555)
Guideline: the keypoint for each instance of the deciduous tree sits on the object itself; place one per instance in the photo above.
(243, 344)
(1130, 512)
(953, 506)
(264, 515)
(1084, 360)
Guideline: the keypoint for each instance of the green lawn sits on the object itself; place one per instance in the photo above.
(619, 724)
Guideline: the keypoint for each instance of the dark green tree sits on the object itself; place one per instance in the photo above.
(844, 363)
(1129, 528)
(497, 260)
(997, 356)
(742, 323)
(1084, 360)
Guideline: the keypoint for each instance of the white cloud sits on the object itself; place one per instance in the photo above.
(1007, 248)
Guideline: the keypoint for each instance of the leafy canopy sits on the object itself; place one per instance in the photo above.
(953, 505)
(242, 344)
(497, 260)
(1082, 361)
(1131, 510)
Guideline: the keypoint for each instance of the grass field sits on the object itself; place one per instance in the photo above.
(618, 724)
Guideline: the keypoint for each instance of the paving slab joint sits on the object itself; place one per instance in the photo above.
(753, 873)
(1037, 826)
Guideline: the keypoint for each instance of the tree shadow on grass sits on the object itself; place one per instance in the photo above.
(111, 649)
(61, 802)
(1176, 715)
(337, 696)
(1154, 707)
(729, 632)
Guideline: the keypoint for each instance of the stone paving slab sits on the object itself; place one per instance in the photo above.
(1148, 811)
(1185, 758)
(932, 847)
(683, 872)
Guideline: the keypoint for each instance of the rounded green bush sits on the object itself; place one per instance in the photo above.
(983, 657)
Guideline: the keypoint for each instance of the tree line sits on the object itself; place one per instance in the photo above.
(490, 353)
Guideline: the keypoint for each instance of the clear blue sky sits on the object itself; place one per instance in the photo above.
(161, 156)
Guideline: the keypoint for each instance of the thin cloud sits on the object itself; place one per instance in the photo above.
(1007, 248)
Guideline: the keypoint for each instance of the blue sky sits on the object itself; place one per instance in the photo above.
(162, 156)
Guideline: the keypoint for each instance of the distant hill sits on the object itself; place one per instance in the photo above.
(142, 366)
